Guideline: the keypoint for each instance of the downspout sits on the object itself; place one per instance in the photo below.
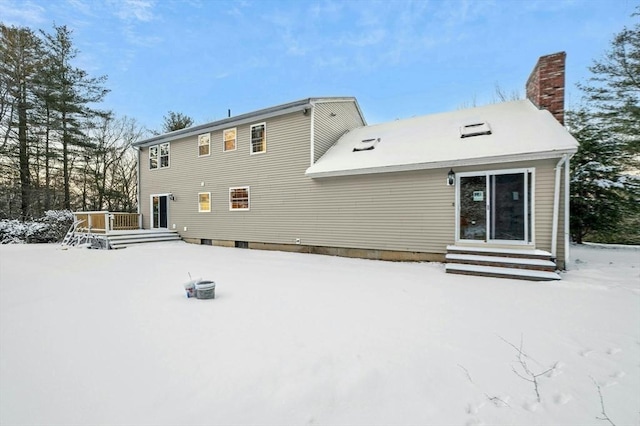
(138, 187)
(556, 205)
(567, 195)
(312, 111)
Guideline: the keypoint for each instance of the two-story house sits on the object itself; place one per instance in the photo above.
(312, 176)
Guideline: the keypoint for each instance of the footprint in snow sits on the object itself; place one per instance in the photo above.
(475, 422)
(585, 353)
(562, 398)
(474, 407)
(618, 374)
(531, 405)
(556, 370)
(613, 351)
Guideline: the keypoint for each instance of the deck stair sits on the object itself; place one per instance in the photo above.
(122, 239)
(525, 264)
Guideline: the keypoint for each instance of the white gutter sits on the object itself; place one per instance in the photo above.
(317, 171)
(556, 205)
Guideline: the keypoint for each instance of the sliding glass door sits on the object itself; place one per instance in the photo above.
(495, 206)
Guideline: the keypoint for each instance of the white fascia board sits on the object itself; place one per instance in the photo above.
(440, 164)
(328, 100)
(223, 124)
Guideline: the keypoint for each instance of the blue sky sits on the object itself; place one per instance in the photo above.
(398, 58)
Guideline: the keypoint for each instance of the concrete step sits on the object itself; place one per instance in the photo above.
(501, 272)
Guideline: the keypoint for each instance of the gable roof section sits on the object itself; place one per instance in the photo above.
(250, 117)
(515, 131)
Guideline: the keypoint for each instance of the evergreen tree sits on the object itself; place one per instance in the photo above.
(71, 98)
(20, 52)
(176, 121)
(602, 193)
(605, 187)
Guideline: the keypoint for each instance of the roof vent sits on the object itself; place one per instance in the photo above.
(366, 145)
(475, 129)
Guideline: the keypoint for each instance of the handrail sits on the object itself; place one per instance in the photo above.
(102, 222)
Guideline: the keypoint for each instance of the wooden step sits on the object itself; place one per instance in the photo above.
(501, 272)
(537, 264)
(503, 252)
(124, 239)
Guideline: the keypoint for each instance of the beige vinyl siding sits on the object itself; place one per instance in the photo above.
(402, 211)
(328, 128)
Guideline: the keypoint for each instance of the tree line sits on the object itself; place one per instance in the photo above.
(58, 150)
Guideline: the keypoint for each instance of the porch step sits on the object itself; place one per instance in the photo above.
(123, 239)
(493, 251)
(501, 272)
(526, 264)
(500, 261)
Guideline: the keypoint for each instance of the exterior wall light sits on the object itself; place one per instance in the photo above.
(451, 178)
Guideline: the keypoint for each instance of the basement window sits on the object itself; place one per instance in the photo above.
(475, 129)
(366, 145)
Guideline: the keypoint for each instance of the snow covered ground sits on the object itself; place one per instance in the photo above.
(108, 338)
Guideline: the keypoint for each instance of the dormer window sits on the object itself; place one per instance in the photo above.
(366, 145)
(475, 129)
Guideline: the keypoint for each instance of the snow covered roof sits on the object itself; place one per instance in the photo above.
(509, 131)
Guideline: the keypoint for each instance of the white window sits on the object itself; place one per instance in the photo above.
(159, 156)
(239, 198)
(229, 139)
(204, 145)
(258, 138)
(204, 202)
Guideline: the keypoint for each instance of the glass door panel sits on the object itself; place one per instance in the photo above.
(473, 208)
(508, 202)
(159, 211)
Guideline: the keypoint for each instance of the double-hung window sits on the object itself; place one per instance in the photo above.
(258, 138)
(239, 198)
(204, 202)
(229, 140)
(159, 156)
(204, 145)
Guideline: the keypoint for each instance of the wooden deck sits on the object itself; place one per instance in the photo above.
(118, 230)
(104, 222)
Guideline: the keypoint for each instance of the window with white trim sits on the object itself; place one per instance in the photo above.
(204, 145)
(204, 202)
(239, 198)
(258, 138)
(229, 139)
(159, 156)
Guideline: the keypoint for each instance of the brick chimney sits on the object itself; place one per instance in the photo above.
(545, 86)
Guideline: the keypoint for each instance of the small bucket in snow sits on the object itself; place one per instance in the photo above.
(190, 288)
(206, 290)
